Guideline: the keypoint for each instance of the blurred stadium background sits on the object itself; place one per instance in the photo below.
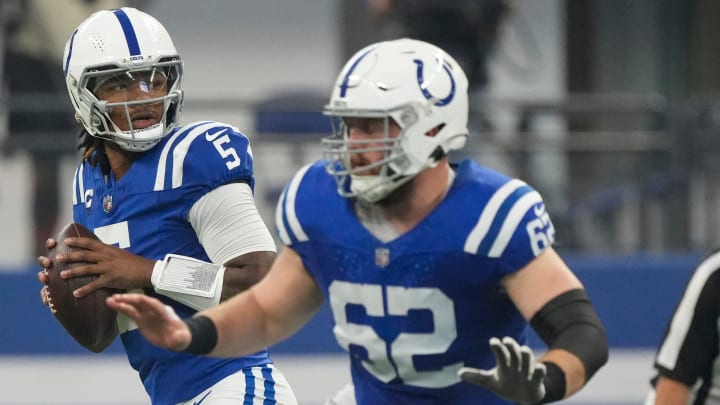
(608, 108)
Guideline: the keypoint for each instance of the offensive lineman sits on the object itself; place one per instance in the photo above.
(423, 262)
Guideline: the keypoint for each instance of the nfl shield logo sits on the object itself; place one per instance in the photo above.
(107, 203)
(382, 257)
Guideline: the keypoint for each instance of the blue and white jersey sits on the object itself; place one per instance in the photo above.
(412, 311)
(146, 213)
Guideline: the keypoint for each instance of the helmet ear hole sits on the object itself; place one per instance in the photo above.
(434, 131)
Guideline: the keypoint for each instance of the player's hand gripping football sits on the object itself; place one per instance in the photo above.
(42, 276)
(518, 377)
(157, 322)
(116, 268)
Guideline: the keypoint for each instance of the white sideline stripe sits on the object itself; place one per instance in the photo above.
(670, 349)
(511, 222)
(108, 379)
(479, 232)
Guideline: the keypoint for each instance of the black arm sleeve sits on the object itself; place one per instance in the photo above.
(569, 322)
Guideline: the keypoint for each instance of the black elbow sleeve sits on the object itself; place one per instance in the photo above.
(569, 322)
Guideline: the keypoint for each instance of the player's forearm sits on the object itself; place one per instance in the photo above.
(262, 316)
(670, 392)
(238, 338)
(245, 271)
(573, 368)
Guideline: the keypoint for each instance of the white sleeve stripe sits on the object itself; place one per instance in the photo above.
(279, 223)
(680, 324)
(289, 210)
(81, 179)
(162, 163)
(511, 222)
(181, 151)
(479, 232)
(76, 191)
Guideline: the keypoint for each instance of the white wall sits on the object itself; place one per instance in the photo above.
(108, 380)
(250, 49)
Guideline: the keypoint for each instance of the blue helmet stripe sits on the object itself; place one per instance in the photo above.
(346, 79)
(130, 36)
(70, 49)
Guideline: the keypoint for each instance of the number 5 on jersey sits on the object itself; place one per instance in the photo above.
(224, 151)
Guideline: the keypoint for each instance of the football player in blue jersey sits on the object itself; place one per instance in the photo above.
(172, 204)
(433, 270)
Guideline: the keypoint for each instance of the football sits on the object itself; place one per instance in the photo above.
(88, 319)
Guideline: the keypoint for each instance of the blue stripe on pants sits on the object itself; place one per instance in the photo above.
(249, 386)
(269, 386)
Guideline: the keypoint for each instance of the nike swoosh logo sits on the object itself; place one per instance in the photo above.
(539, 210)
(202, 399)
(211, 137)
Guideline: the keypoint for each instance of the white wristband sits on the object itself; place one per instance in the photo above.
(190, 281)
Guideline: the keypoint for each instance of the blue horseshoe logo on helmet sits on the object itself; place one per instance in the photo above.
(426, 93)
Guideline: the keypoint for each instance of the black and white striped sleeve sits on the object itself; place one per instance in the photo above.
(690, 347)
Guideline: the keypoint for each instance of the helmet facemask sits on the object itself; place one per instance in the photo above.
(161, 84)
(374, 181)
(124, 78)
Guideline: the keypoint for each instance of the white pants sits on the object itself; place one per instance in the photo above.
(346, 396)
(257, 385)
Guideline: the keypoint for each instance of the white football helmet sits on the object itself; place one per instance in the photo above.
(117, 44)
(414, 83)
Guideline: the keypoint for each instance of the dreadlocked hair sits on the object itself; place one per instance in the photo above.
(93, 150)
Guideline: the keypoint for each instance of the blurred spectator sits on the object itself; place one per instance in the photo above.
(39, 121)
(467, 29)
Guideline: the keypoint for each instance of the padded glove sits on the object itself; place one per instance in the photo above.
(517, 377)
